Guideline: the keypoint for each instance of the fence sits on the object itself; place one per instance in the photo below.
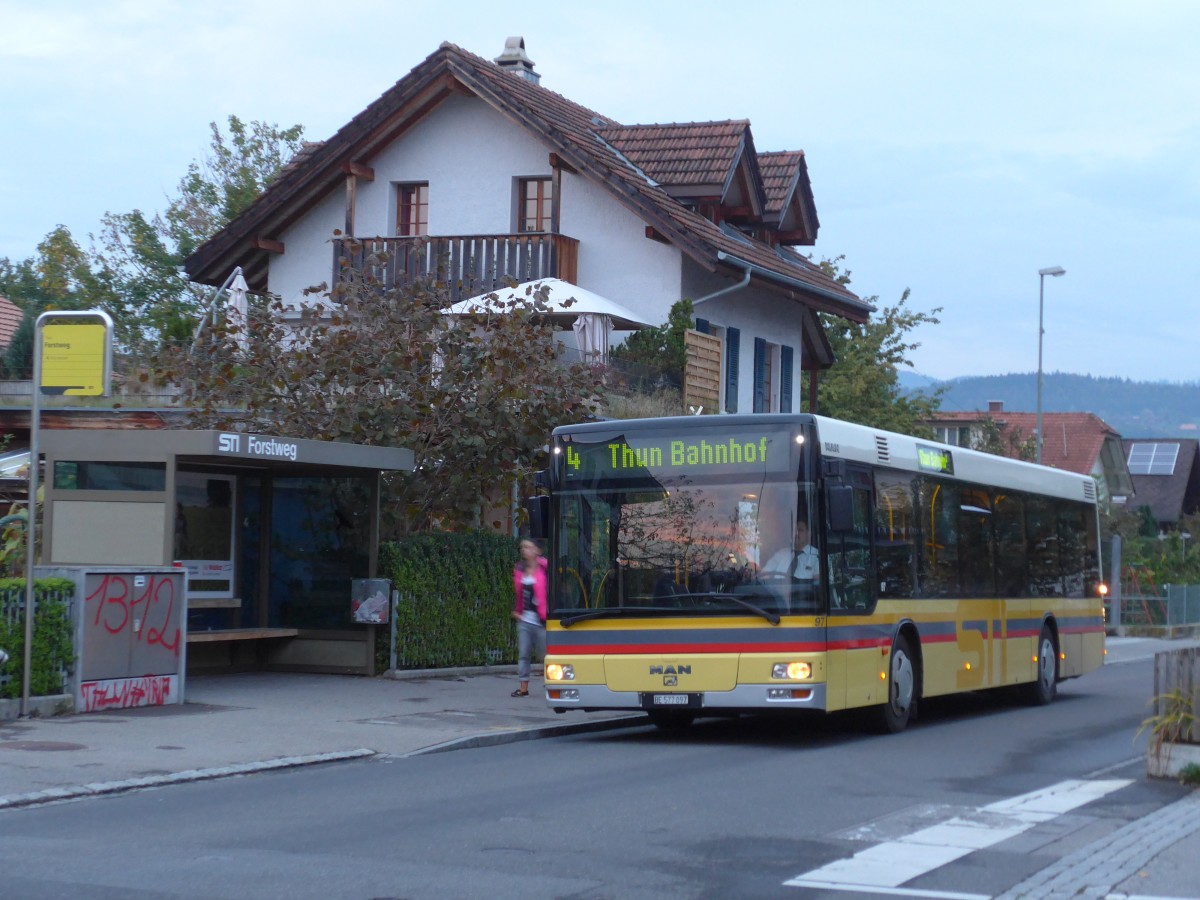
(1174, 606)
(53, 658)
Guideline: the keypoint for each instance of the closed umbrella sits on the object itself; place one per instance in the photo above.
(592, 333)
(238, 309)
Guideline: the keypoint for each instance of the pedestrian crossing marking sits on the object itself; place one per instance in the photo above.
(883, 868)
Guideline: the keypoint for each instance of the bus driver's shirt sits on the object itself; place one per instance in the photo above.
(806, 566)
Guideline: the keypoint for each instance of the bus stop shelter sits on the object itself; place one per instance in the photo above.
(271, 531)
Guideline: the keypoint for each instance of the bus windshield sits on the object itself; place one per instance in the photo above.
(650, 526)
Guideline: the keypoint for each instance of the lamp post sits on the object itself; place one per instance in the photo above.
(1054, 271)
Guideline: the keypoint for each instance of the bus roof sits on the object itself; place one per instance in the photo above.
(877, 447)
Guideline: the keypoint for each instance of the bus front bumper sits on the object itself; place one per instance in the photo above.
(743, 698)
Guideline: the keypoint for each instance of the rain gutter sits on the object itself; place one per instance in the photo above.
(749, 268)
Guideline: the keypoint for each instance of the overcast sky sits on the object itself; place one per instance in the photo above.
(954, 148)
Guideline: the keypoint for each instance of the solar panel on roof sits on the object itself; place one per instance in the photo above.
(1153, 459)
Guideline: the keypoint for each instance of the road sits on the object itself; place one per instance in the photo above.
(745, 808)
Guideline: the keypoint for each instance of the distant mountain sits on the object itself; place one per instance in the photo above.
(1134, 408)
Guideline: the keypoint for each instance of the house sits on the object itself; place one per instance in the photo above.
(11, 317)
(471, 168)
(1166, 477)
(1074, 441)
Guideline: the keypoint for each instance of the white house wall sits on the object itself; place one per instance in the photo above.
(471, 155)
(757, 314)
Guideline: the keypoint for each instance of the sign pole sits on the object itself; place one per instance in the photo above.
(83, 367)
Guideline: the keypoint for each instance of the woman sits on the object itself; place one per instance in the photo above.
(529, 585)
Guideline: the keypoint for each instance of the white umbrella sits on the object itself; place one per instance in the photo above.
(238, 309)
(559, 292)
(592, 331)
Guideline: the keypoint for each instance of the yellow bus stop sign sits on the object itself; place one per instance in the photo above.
(76, 358)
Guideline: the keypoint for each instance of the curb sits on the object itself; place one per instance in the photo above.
(531, 734)
(52, 795)
(55, 795)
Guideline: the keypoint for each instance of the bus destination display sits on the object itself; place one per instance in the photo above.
(637, 457)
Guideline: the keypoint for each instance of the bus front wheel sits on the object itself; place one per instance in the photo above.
(894, 715)
(1045, 687)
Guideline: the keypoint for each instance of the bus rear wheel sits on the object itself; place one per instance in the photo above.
(894, 715)
(1045, 686)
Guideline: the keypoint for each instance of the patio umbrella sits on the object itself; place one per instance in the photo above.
(238, 308)
(592, 331)
(559, 292)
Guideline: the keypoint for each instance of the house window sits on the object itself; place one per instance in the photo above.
(412, 209)
(766, 366)
(956, 435)
(535, 197)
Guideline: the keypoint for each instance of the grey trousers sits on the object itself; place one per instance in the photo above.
(531, 640)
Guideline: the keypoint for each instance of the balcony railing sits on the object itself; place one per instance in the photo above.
(468, 265)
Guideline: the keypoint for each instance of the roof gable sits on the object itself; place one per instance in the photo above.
(573, 132)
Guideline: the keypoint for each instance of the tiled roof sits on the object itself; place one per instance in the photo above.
(571, 130)
(11, 317)
(1073, 440)
(780, 172)
(681, 154)
(1174, 495)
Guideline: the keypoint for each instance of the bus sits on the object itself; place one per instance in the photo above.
(926, 570)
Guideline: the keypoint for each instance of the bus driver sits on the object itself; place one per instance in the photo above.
(799, 562)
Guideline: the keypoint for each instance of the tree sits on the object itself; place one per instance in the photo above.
(475, 399)
(134, 267)
(1002, 440)
(863, 384)
(138, 264)
(661, 350)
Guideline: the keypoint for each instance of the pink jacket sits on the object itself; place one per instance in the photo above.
(539, 588)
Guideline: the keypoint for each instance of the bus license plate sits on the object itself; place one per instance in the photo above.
(670, 700)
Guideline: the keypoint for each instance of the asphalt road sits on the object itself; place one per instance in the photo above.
(731, 808)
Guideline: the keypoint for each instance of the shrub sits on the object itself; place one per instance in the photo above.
(456, 598)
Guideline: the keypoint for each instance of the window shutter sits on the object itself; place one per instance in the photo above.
(785, 379)
(733, 340)
(702, 326)
(760, 374)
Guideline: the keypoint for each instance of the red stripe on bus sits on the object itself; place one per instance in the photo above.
(599, 649)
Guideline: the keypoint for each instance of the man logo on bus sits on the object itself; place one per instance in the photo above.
(670, 670)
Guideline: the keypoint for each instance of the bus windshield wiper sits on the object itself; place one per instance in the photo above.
(605, 613)
(771, 617)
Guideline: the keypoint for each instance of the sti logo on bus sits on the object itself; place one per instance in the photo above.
(934, 459)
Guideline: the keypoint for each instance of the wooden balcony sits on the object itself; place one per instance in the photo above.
(468, 265)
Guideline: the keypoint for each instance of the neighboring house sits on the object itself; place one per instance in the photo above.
(1166, 477)
(11, 317)
(1074, 441)
(504, 178)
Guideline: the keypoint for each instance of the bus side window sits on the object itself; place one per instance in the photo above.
(849, 554)
(895, 534)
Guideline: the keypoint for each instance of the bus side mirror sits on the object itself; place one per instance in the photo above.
(840, 498)
(538, 509)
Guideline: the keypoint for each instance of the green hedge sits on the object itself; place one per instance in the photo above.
(456, 600)
(53, 645)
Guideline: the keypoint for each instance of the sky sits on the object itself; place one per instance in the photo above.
(954, 148)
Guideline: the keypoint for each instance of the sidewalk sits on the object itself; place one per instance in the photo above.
(233, 724)
(239, 724)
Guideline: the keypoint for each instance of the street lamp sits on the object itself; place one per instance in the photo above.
(1054, 271)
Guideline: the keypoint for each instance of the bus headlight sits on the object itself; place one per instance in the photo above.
(560, 672)
(796, 671)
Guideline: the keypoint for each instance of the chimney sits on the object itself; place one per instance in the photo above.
(995, 406)
(514, 60)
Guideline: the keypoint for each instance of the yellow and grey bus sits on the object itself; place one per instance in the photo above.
(683, 582)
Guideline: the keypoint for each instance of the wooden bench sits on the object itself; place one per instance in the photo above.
(240, 634)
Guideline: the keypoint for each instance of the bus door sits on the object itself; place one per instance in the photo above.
(850, 561)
